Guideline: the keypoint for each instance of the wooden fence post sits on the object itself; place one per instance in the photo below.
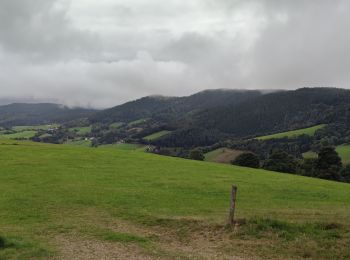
(231, 220)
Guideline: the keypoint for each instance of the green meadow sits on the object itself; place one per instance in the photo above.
(19, 135)
(210, 156)
(342, 150)
(116, 125)
(156, 135)
(81, 130)
(60, 198)
(137, 122)
(34, 127)
(124, 146)
(291, 134)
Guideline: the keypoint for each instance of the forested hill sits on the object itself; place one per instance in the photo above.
(277, 112)
(43, 113)
(202, 119)
(261, 115)
(168, 109)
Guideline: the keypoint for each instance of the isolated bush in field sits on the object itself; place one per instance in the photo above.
(196, 154)
(280, 161)
(328, 164)
(247, 160)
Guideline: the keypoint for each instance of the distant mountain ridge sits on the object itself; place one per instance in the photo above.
(201, 119)
(41, 113)
(172, 108)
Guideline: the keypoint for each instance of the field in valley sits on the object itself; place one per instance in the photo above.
(71, 202)
(222, 155)
(342, 150)
(290, 134)
(156, 135)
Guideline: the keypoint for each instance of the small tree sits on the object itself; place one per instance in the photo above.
(307, 167)
(328, 164)
(247, 160)
(280, 161)
(196, 154)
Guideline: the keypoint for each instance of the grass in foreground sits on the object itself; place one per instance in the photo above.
(124, 146)
(83, 142)
(156, 135)
(291, 134)
(54, 192)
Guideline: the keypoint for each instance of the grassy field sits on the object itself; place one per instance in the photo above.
(19, 135)
(34, 127)
(156, 135)
(137, 122)
(81, 203)
(222, 155)
(343, 151)
(290, 134)
(85, 143)
(116, 125)
(124, 146)
(81, 130)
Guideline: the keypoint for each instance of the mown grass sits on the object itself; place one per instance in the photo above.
(156, 135)
(291, 134)
(47, 189)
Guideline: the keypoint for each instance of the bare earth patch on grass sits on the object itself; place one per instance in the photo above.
(76, 247)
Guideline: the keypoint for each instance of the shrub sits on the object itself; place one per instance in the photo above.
(2, 242)
(196, 154)
(281, 162)
(247, 160)
(328, 164)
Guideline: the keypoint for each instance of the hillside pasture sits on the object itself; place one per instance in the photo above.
(34, 127)
(138, 122)
(344, 153)
(124, 146)
(294, 133)
(222, 155)
(342, 150)
(81, 142)
(19, 135)
(72, 202)
(116, 125)
(156, 135)
(84, 130)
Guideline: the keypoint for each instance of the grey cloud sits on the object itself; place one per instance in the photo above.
(102, 53)
(309, 47)
(41, 29)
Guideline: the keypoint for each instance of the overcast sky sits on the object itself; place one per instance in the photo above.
(102, 53)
